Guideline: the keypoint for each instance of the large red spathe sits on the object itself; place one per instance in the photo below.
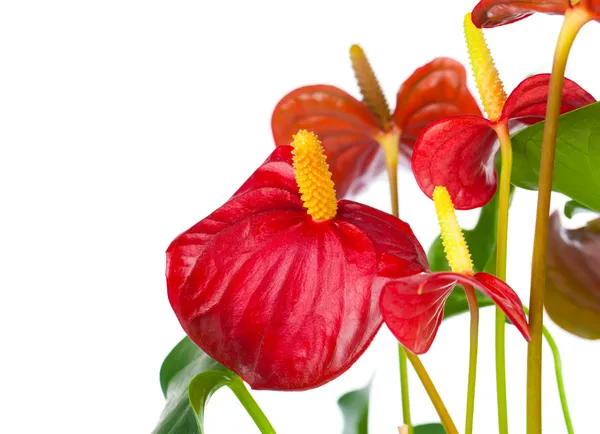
(286, 302)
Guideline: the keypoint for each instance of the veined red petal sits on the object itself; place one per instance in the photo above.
(527, 103)
(413, 309)
(504, 297)
(345, 126)
(434, 91)
(494, 13)
(458, 153)
(286, 302)
(413, 306)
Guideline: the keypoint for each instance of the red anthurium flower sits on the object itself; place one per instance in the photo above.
(494, 13)
(355, 134)
(282, 283)
(413, 306)
(458, 152)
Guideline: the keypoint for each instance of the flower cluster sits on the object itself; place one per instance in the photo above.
(283, 284)
(286, 285)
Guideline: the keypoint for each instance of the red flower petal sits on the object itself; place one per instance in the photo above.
(345, 126)
(413, 306)
(458, 153)
(494, 13)
(527, 102)
(504, 297)
(593, 6)
(413, 317)
(434, 91)
(282, 300)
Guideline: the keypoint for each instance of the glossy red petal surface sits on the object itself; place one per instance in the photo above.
(413, 306)
(413, 317)
(527, 103)
(504, 297)
(458, 153)
(345, 127)
(434, 91)
(286, 302)
(494, 13)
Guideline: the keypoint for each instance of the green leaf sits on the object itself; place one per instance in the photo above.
(203, 386)
(355, 409)
(182, 364)
(482, 244)
(577, 162)
(573, 207)
(430, 428)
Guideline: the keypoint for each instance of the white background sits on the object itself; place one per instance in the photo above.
(122, 123)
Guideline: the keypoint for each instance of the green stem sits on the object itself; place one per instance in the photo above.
(474, 310)
(255, 412)
(390, 142)
(434, 396)
(406, 419)
(501, 254)
(575, 18)
(559, 376)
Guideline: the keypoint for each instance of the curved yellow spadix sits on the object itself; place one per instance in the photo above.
(313, 176)
(455, 246)
(489, 85)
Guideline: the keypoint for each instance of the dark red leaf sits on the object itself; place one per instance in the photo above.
(434, 91)
(345, 127)
(458, 153)
(527, 103)
(413, 306)
(494, 13)
(572, 297)
(286, 302)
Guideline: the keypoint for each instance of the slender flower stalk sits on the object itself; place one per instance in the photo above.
(560, 383)
(253, 409)
(434, 396)
(459, 259)
(493, 97)
(374, 98)
(474, 336)
(575, 19)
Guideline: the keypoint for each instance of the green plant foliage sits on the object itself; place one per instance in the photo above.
(573, 207)
(577, 163)
(182, 364)
(430, 428)
(355, 409)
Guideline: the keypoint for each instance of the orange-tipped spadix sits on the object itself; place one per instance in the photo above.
(313, 176)
(369, 87)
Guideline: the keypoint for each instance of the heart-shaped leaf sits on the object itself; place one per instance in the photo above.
(182, 364)
(577, 163)
(355, 409)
